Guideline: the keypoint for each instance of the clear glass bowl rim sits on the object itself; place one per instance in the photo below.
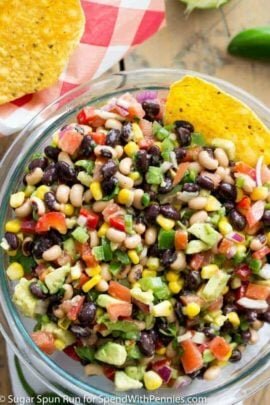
(6, 304)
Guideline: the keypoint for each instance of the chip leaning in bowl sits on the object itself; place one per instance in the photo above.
(141, 249)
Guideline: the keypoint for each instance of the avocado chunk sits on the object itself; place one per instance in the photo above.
(55, 280)
(206, 233)
(69, 247)
(66, 337)
(215, 285)
(146, 297)
(112, 353)
(124, 383)
(196, 246)
(103, 300)
(25, 301)
(135, 372)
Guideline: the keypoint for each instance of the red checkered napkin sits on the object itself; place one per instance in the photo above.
(112, 28)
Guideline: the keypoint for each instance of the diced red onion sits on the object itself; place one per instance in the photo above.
(185, 336)
(265, 271)
(236, 237)
(231, 252)
(259, 171)
(199, 338)
(165, 373)
(182, 381)
(252, 304)
(146, 95)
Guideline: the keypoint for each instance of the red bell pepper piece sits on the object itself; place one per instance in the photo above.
(243, 272)
(88, 116)
(241, 167)
(92, 218)
(191, 358)
(28, 226)
(245, 203)
(99, 138)
(55, 220)
(70, 352)
(118, 223)
(197, 261)
(86, 254)
(109, 372)
(75, 308)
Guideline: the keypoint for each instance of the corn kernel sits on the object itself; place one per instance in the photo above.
(209, 270)
(192, 309)
(259, 193)
(175, 286)
(132, 254)
(172, 276)
(137, 132)
(212, 204)
(15, 271)
(59, 344)
(91, 283)
(233, 318)
(221, 363)
(224, 226)
(219, 320)
(68, 210)
(153, 263)
(149, 273)
(241, 249)
(161, 351)
(64, 323)
(135, 176)
(103, 230)
(93, 271)
(164, 308)
(125, 197)
(12, 253)
(225, 290)
(158, 144)
(96, 190)
(165, 223)
(17, 199)
(152, 380)
(29, 190)
(41, 191)
(131, 148)
(14, 226)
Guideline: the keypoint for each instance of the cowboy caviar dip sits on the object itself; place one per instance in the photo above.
(140, 250)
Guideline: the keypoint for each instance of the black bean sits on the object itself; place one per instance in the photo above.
(180, 154)
(229, 308)
(265, 316)
(251, 316)
(261, 237)
(179, 313)
(183, 136)
(153, 251)
(155, 155)
(167, 187)
(41, 245)
(113, 137)
(87, 314)
(205, 182)
(50, 200)
(126, 132)
(198, 373)
(168, 257)
(228, 205)
(66, 173)
(193, 280)
(86, 147)
(153, 334)
(106, 153)
(227, 191)
(55, 237)
(266, 217)
(108, 185)
(152, 212)
(37, 291)
(226, 327)
(169, 212)
(235, 356)
(246, 335)
(209, 150)
(79, 129)
(38, 162)
(146, 344)
(151, 109)
(52, 152)
(184, 124)
(27, 246)
(12, 240)
(50, 175)
(80, 331)
(108, 169)
(209, 332)
(191, 187)
(237, 220)
(142, 161)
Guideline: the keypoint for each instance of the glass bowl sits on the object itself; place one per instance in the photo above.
(58, 372)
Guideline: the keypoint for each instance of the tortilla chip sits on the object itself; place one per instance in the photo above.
(216, 114)
(36, 40)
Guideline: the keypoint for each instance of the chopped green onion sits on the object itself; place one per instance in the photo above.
(122, 257)
(240, 181)
(87, 165)
(115, 267)
(166, 239)
(154, 175)
(106, 249)
(129, 223)
(145, 200)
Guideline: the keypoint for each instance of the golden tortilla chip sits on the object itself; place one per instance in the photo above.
(216, 114)
(36, 40)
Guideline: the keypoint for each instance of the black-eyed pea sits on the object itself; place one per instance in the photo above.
(102, 286)
(34, 177)
(115, 236)
(212, 373)
(76, 195)
(59, 313)
(87, 196)
(150, 235)
(51, 254)
(137, 201)
(125, 165)
(112, 123)
(221, 172)
(207, 161)
(221, 157)
(124, 181)
(119, 150)
(135, 273)
(38, 205)
(198, 217)
(68, 294)
(254, 336)
(139, 228)
(64, 157)
(94, 239)
(197, 203)
(105, 273)
(180, 262)
(131, 242)
(99, 206)
(24, 210)
(195, 166)
(100, 149)
(62, 193)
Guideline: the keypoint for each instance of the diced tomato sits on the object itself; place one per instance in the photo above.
(28, 226)
(88, 116)
(111, 210)
(86, 254)
(75, 308)
(181, 240)
(146, 143)
(146, 127)
(99, 138)
(219, 347)
(253, 230)
(181, 171)
(216, 305)
(255, 212)
(240, 292)
(257, 291)
(136, 110)
(92, 218)
(70, 140)
(260, 254)
(109, 372)
(243, 272)
(225, 246)
(244, 203)
(44, 340)
(118, 290)
(117, 310)
(83, 279)
(191, 358)
(118, 223)
(55, 220)
(241, 167)
(203, 347)
(196, 262)
(70, 352)
(192, 154)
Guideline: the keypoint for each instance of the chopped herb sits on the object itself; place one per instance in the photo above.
(87, 165)
(27, 262)
(85, 353)
(145, 200)
(121, 257)
(107, 251)
(255, 265)
(197, 139)
(115, 267)
(112, 195)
